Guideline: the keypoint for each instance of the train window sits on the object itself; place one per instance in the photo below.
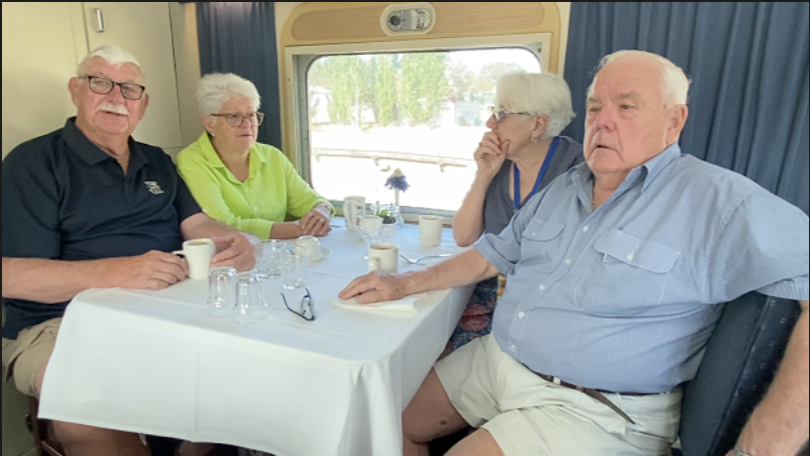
(423, 112)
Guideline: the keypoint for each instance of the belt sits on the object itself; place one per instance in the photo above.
(596, 394)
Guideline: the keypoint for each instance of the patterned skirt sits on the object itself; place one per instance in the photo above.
(476, 321)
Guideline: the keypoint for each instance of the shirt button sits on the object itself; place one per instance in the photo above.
(568, 261)
(585, 229)
(513, 348)
(521, 315)
(542, 288)
(534, 234)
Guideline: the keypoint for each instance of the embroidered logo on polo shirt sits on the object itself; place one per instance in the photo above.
(153, 187)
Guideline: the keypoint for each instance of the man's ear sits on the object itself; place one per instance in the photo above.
(74, 86)
(677, 119)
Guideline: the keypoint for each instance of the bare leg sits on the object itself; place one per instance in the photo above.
(429, 415)
(81, 440)
(197, 449)
(479, 443)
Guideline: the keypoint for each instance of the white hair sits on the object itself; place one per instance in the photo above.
(539, 94)
(114, 55)
(676, 83)
(215, 89)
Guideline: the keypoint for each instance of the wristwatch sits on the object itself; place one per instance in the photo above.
(738, 452)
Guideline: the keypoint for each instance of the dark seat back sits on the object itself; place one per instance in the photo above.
(740, 361)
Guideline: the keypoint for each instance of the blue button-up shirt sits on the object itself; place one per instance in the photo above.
(625, 297)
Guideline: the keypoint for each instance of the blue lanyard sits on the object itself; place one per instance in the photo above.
(540, 175)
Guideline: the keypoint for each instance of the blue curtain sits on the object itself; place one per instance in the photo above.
(750, 70)
(240, 38)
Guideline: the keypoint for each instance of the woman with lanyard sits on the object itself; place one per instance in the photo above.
(520, 155)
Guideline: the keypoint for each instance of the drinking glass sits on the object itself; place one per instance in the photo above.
(272, 254)
(251, 306)
(221, 291)
(295, 268)
(371, 229)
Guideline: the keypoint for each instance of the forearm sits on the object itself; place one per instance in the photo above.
(53, 281)
(286, 230)
(465, 268)
(468, 223)
(202, 226)
(779, 425)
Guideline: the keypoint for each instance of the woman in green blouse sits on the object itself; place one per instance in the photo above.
(248, 185)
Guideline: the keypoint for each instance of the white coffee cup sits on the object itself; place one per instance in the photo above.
(383, 256)
(198, 254)
(312, 244)
(430, 230)
(353, 208)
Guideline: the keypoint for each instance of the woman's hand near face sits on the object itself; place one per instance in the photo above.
(490, 154)
(316, 221)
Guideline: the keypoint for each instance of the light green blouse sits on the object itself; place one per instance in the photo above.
(272, 190)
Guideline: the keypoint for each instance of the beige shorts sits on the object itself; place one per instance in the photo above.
(528, 416)
(26, 356)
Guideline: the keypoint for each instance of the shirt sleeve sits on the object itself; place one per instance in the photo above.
(762, 246)
(502, 250)
(30, 205)
(206, 187)
(184, 202)
(301, 198)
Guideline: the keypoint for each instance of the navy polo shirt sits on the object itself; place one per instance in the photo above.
(66, 199)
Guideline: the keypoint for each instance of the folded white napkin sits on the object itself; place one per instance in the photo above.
(407, 304)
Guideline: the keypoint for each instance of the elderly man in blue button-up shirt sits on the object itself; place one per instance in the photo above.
(615, 275)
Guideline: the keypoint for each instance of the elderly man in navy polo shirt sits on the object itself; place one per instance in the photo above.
(87, 206)
(615, 272)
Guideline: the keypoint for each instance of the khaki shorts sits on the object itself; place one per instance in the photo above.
(528, 416)
(26, 356)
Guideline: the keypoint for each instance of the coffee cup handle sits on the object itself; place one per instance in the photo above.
(373, 264)
(179, 253)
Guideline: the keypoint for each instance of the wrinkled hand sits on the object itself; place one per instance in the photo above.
(490, 154)
(237, 250)
(375, 287)
(316, 221)
(154, 270)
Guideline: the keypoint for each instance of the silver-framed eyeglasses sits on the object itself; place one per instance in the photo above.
(235, 119)
(306, 310)
(501, 114)
(103, 86)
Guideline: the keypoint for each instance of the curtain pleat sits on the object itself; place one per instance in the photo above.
(240, 38)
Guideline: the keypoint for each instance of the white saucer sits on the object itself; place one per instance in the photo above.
(324, 253)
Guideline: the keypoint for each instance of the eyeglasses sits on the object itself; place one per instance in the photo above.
(501, 113)
(103, 86)
(306, 312)
(235, 119)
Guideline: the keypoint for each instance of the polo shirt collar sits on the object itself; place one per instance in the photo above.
(92, 154)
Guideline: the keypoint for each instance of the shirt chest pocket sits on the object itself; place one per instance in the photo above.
(540, 242)
(625, 274)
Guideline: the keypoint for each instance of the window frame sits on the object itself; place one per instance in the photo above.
(300, 58)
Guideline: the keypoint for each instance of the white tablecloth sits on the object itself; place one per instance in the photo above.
(155, 362)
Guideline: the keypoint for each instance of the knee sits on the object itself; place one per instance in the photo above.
(72, 434)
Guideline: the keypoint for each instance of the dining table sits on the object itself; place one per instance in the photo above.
(156, 362)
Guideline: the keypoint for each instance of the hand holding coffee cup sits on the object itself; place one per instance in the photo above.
(383, 256)
(312, 245)
(198, 254)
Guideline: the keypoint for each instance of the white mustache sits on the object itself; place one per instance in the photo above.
(115, 108)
